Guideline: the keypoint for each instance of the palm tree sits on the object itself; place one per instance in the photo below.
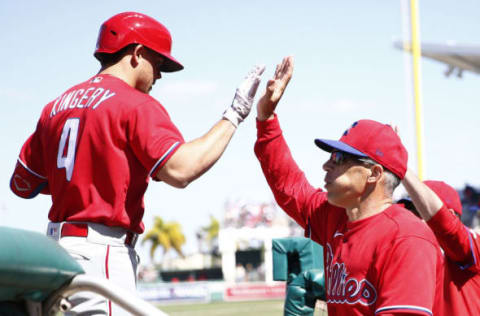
(208, 235)
(166, 235)
(212, 229)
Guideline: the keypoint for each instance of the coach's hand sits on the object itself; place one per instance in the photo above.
(275, 88)
(243, 100)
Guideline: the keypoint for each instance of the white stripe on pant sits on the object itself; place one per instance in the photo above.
(109, 259)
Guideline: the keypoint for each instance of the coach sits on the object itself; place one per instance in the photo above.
(379, 258)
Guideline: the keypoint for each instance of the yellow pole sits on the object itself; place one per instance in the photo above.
(416, 53)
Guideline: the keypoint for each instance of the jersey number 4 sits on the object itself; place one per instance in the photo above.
(67, 159)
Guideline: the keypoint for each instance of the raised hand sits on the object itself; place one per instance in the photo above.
(244, 95)
(275, 87)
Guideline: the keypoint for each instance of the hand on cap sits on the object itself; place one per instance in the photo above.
(275, 88)
(244, 95)
(395, 129)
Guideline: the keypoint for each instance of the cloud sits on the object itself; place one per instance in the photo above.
(182, 90)
(345, 105)
(19, 95)
(336, 106)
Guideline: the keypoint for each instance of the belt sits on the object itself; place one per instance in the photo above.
(81, 230)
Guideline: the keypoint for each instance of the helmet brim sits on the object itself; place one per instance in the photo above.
(170, 64)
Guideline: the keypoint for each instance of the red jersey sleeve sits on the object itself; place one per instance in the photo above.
(460, 244)
(406, 263)
(29, 177)
(152, 135)
(291, 189)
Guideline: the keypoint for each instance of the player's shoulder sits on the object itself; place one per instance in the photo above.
(402, 223)
(127, 98)
(127, 94)
(135, 99)
(114, 95)
(64, 97)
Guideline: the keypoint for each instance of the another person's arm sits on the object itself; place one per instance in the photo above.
(459, 243)
(426, 202)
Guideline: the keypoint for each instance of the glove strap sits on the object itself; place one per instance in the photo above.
(232, 115)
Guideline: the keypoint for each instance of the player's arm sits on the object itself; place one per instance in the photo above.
(26, 183)
(194, 158)
(28, 180)
(291, 189)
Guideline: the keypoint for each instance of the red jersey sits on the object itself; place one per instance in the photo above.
(462, 274)
(389, 263)
(93, 150)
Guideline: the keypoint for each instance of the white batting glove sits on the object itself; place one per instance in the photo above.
(243, 99)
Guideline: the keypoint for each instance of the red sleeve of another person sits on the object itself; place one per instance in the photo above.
(460, 244)
(291, 189)
(152, 135)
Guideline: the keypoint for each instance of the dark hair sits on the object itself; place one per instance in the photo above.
(408, 204)
(107, 59)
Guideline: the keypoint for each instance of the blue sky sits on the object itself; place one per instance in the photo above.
(345, 69)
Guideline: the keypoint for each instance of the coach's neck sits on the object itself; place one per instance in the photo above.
(372, 201)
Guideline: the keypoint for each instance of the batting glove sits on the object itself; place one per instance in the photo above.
(243, 99)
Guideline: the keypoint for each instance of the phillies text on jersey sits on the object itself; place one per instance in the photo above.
(384, 264)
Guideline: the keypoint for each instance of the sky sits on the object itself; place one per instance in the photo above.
(346, 69)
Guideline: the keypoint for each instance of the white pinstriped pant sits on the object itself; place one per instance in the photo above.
(102, 256)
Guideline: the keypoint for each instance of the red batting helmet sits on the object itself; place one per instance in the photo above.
(136, 28)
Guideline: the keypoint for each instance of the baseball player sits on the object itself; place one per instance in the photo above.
(439, 205)
(378, 258)
(98, 143)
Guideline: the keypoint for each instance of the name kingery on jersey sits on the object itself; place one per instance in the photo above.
(81, 98)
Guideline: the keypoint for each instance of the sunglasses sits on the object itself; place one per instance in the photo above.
(340, 157)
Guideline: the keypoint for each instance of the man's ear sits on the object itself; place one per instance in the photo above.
(375, 174)
(137, 53)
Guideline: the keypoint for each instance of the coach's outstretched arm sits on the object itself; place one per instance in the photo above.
(291, 189)
(275, 88)
(194, 158)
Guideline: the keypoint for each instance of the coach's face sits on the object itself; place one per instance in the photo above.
(345, 181)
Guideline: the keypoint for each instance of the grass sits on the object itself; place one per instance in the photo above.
(253, 308)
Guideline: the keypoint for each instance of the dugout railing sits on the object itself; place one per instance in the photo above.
(37, 276)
